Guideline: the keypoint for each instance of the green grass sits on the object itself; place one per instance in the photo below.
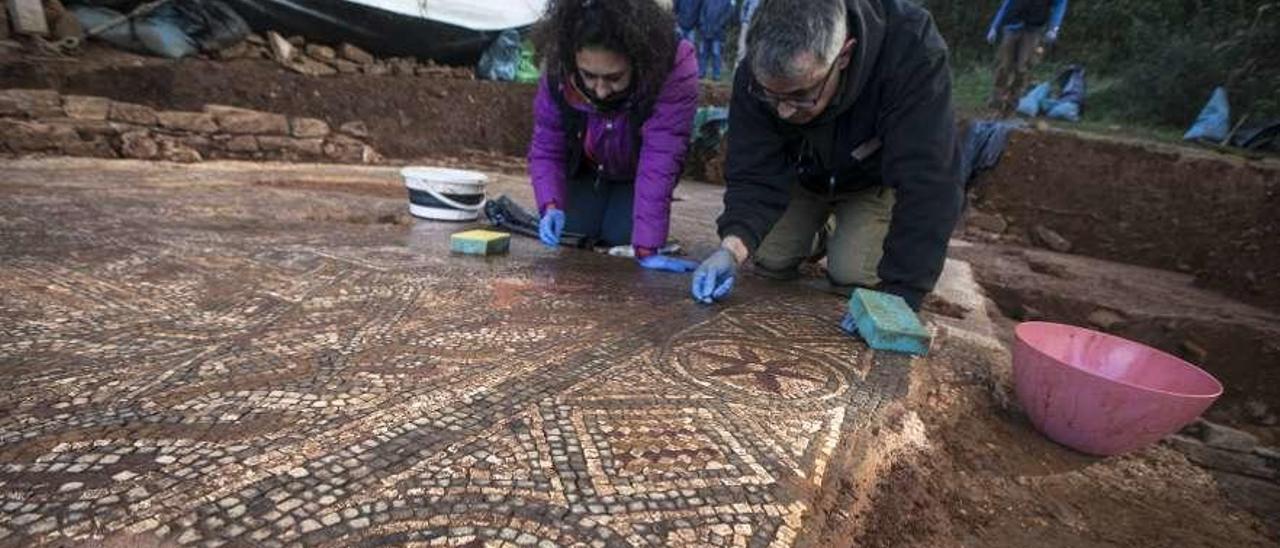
(971, 88)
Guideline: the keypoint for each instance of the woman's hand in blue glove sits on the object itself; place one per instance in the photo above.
(551, 226)
(668, 264)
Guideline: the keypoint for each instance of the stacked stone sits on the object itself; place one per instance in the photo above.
(297, 55)
(75, 125)
(1248, 472)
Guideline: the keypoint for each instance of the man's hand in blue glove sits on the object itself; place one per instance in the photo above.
(1051, 36)
(991, 36)
(551, 226)
(668, 264)
(714, 277)
(848, 325)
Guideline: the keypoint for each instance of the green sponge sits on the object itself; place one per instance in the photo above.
(886, 322)
(480, 242)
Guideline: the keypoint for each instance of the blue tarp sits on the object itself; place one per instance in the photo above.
(1066, 105)
(984, 143)
(1214, 122)
(176, 29)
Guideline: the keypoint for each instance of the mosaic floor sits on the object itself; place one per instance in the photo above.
(217, 363)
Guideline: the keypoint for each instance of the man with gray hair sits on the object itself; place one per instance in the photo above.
(842, 109)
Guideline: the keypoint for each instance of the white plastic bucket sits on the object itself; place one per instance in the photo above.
(444, 194)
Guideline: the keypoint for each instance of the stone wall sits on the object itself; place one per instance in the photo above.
(313, 59)
(1247, 472)
(44, 121)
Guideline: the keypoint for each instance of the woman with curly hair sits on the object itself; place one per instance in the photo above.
(612, 119)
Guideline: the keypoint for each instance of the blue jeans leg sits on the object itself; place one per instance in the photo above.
(618, 215)
(704, 57)
(687, 35)
(717, 48)
(601, 212)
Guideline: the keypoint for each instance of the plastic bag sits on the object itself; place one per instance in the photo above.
(1063, 110)
(145, 35)
(1029, 104)
(1071, 81)
(505, 213)
(174, 30)
(984, 143)
(1264, 135)
(1070, 99)
(710, 124)
(502, 59)
(1214, 121)
(527, 72)
(210, 23)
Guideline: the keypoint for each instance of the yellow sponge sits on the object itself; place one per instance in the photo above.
(480, 242)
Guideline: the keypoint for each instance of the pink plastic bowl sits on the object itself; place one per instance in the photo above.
(1101, 394)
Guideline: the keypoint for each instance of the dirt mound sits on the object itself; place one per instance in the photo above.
(986, 478)
(1171, 208)
(1237, 343)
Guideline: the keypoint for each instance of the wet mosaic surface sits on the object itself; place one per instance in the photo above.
(221, 363)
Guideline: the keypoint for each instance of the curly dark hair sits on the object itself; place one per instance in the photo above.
(639, 29)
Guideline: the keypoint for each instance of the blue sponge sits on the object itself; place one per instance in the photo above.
(886, 322)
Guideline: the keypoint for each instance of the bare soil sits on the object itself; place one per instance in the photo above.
(986, 478)
(1237, 343)
(1174, 208)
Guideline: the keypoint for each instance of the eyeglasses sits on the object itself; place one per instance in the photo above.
(805, 99)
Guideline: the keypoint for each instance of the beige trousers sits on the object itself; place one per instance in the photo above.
(856, 241)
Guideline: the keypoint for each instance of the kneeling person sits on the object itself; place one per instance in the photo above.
(612, 119)
(843, 107)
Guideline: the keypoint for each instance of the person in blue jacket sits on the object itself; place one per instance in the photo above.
(1021, 26)
(687, 14)
(712, 23)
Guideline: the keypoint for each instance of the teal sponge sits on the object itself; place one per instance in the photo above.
(886, 322)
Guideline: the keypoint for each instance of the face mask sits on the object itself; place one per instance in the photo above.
(613, 103)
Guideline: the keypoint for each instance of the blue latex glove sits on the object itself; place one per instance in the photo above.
(1051, 36)
(551, 226)
(668, 264)
(991, 36)
(714, 277)
(848, 325)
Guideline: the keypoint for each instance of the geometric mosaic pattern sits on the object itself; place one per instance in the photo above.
(223, 364)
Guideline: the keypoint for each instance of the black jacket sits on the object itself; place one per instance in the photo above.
(1032, 13)
(896, 93)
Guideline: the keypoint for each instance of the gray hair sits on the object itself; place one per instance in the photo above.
(782, 30)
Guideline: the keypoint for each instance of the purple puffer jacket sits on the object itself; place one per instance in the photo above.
(665, 138)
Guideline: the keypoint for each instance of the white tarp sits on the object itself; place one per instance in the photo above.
(481, 15)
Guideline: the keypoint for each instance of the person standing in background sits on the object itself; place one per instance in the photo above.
(1023, 24)
(748, 9)
(712, 23)
(687, 14)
